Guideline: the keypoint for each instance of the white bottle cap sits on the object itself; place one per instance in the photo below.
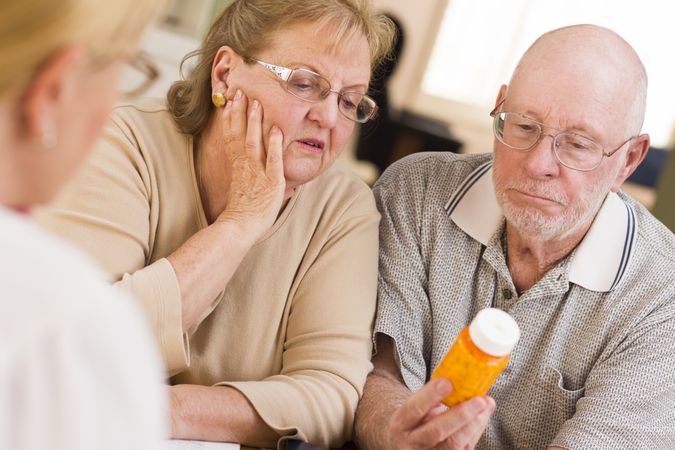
(494, 332)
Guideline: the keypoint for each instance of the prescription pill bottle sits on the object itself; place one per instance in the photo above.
(479, 354)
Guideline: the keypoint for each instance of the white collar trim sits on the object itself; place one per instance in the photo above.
(599, 261)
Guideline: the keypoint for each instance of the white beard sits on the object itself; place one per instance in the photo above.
(533, 221)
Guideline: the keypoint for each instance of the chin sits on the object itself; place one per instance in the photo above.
(297, 176)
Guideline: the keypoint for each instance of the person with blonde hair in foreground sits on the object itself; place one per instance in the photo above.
(78, 366)
(225, 211)
(540, 229)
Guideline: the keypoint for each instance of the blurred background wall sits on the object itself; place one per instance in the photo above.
(454, 57)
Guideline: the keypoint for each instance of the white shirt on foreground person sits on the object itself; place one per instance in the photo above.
(78, 368)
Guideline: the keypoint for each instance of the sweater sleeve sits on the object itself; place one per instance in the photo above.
(327, 349)
(107, 211)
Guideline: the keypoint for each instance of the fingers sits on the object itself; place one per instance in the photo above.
(421, 423)
(245, 123)
(435, 411)
(238, 123)
(419, 404)
(468, 436)
(253, 142)
(225, 122)
(275, 165)
(256, 184)
(458, 424)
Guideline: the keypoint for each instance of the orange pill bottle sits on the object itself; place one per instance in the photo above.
(479, 355)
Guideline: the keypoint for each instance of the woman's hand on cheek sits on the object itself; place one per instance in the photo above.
(257, 183)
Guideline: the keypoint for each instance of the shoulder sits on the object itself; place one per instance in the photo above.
(144, 111)
(146, 125)
(49, 283)
(419, 169)
(651, 271)
(427, 177)
(141, 139)
(26, 244)
(653, 236)
(67, 331)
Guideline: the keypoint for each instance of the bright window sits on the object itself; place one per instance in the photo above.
(479, 43)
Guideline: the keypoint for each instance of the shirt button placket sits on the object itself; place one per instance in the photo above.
(504, 297)
(507, 294)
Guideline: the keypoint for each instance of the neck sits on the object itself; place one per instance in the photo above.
(531, 256)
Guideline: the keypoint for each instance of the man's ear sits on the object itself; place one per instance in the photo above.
(50, 91)
(501, 96)
(636, 152)
(225, 60)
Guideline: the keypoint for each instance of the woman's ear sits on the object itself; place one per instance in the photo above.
(48, 94)
(225, 60)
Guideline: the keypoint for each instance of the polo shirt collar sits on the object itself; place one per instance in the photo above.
(599, 261)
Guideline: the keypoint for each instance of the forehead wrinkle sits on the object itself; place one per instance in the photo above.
(332, 71)
(615, 78)
(327, 52)
(567, 106)
(316, 68)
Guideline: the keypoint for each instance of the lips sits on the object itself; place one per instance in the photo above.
(540, 197)
(536, 190)
(314, 145)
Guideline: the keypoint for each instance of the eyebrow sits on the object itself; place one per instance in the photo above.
(580, 128)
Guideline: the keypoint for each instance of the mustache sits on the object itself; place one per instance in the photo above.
(538, 189)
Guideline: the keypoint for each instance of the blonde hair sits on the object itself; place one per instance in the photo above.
(32, 30)
(247, 26)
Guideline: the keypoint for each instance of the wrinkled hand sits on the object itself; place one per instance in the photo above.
(257, 183)
(421, 423)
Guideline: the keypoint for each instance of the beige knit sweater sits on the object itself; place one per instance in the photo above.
(292, 329)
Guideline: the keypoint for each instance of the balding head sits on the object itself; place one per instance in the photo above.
(582, 81)
(592, 58)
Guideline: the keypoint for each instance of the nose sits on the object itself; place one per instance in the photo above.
(325, 112)
(540, 161)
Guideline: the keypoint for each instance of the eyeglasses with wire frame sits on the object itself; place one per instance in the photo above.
(574, 151)
(312, 87)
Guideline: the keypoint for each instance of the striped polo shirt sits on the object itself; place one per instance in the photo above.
(595, 365)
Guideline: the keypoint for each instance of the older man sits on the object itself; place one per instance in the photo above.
(540, 230)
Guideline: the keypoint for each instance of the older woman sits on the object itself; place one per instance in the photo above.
(78, 368)
(224, 211)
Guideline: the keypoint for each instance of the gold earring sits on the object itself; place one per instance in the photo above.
(218, 99)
